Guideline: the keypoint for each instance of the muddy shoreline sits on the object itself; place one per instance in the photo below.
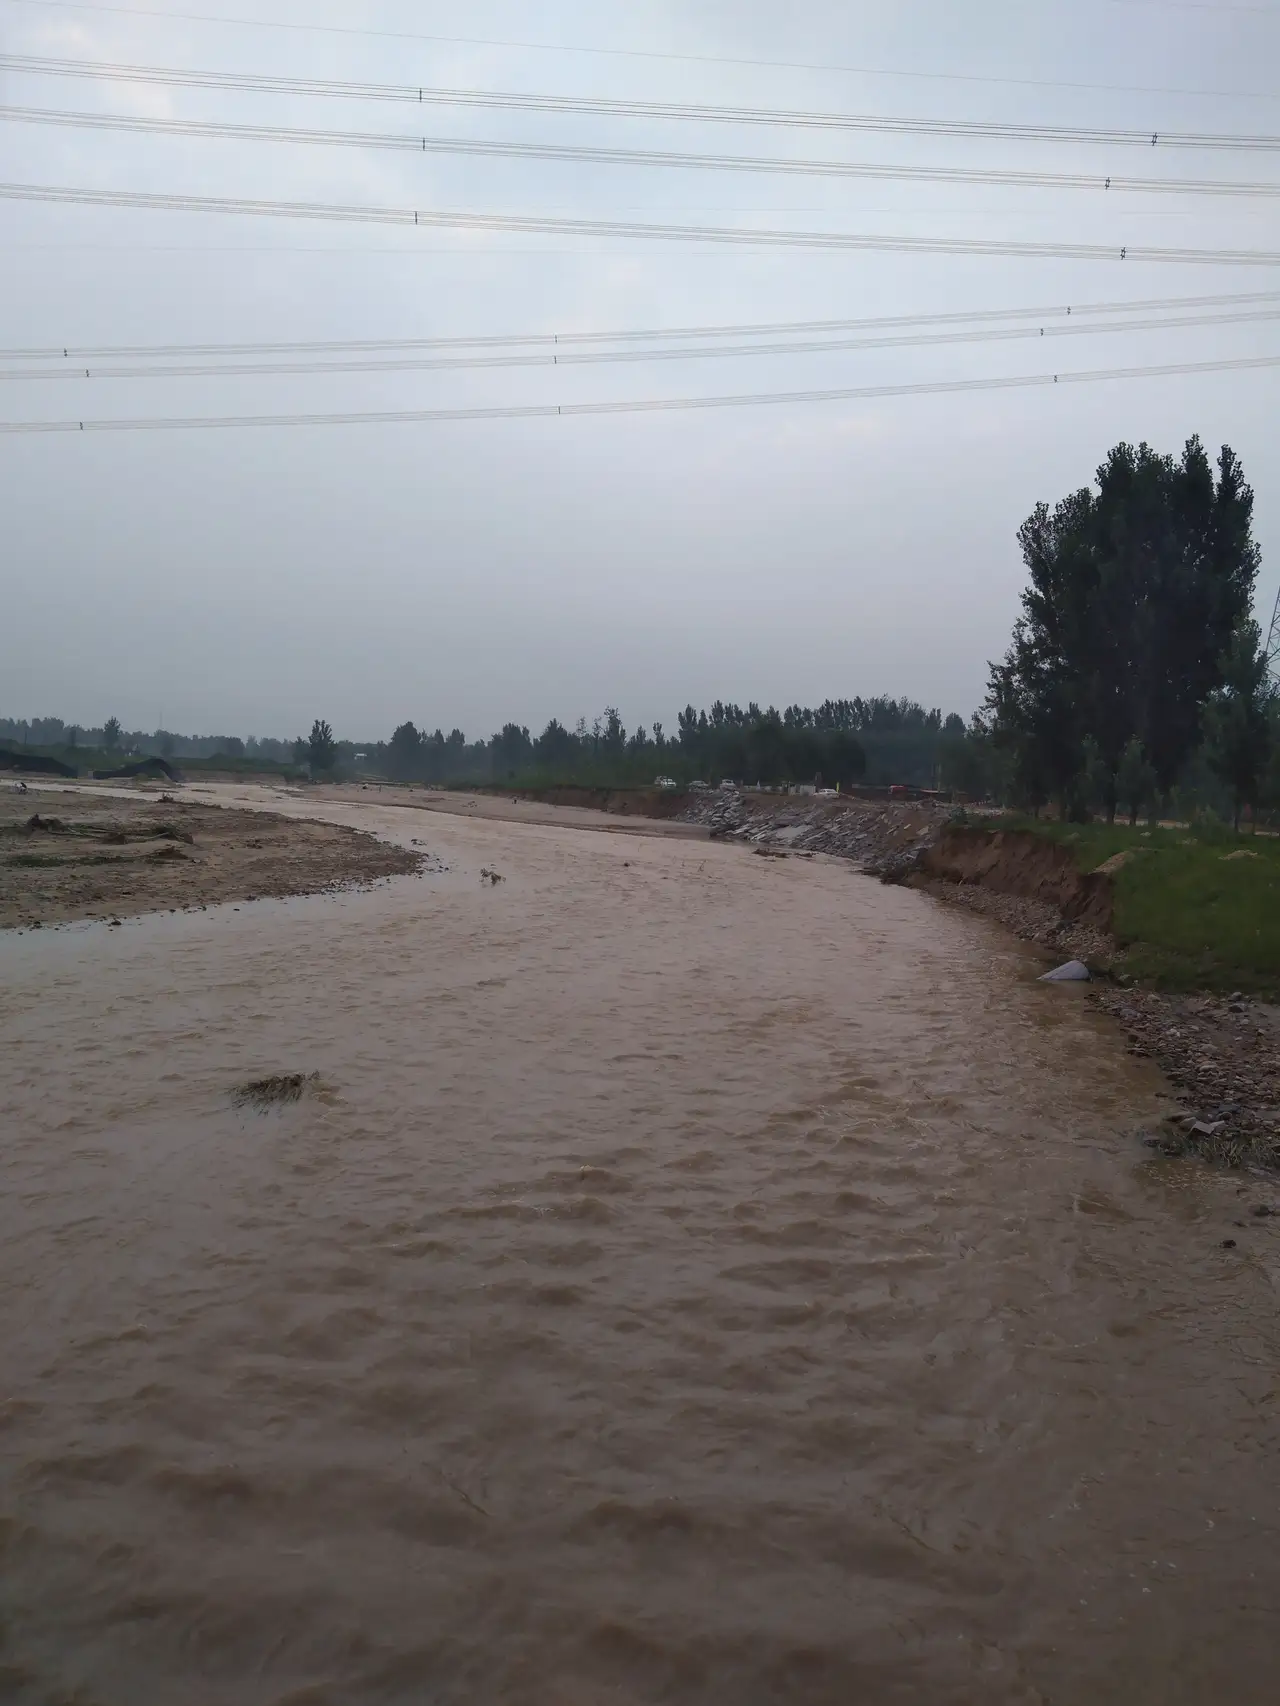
(88, 854)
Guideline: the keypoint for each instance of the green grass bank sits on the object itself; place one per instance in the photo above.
(1194, 907)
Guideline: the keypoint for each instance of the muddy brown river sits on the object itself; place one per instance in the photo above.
(696, 1278)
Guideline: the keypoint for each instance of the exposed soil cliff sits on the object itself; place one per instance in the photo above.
(622, 802)
(1017, 862)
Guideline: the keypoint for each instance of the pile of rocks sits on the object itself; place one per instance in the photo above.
(722, 812)
(883, 838)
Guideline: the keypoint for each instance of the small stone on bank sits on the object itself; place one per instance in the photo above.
(1075, 971)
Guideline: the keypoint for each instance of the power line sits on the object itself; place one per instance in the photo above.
(762, 237)
(415, 94)
(419, 251)
(664, 334)
(416, 249)
(1272, 12)
(425, 251)
(575, 153)
(643, 53)
(534, 411)
(564, 357)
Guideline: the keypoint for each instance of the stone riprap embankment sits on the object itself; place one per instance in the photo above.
(884, 838)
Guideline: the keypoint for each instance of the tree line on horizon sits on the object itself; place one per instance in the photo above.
(838, 742)
(55, 735)
(758, 745)
(1135, 678)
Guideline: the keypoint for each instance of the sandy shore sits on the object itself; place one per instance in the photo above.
(68, 855)
(98, 852)
(505, 808)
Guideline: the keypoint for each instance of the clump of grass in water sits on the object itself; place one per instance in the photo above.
(274, 1091)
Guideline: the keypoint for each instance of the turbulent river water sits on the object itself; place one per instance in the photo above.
(694, 1278)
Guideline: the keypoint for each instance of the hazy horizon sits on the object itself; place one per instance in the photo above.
(465, 574)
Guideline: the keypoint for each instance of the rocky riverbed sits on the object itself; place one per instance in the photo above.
(1223, 1055)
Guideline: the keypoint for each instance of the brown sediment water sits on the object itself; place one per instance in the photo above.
(690, 1278)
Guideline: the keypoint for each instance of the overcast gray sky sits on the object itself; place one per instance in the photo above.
(473, 572)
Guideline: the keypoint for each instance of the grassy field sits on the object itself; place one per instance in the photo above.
(1195, 908)
(235, 767)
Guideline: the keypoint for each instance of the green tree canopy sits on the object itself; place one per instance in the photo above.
(555, 749)
(1135, 593)
(512, 750)
(322, 749)
(1135, 782)
(1238, 720)
(404, 752)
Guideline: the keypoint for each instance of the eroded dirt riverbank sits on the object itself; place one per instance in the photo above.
(692, 1278)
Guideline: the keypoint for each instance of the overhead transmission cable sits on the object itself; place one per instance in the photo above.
(827, 67)
(565, 357)
(762, 237)
(610, 107)
(662, 334)
(577, 153)
(1272, 12)
(536, 411)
